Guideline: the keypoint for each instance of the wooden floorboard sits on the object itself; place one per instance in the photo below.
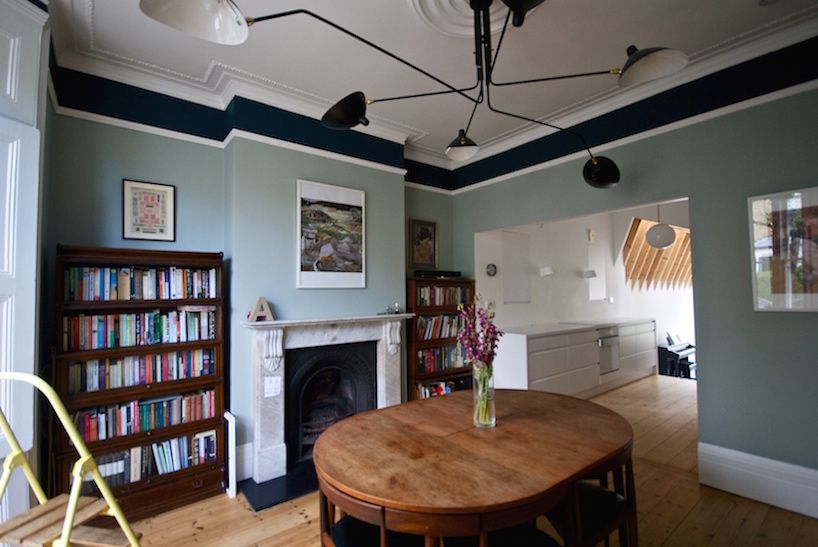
(674, 510)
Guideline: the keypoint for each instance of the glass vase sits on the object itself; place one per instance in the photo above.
(483, 394)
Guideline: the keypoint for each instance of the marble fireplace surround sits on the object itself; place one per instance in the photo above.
(270, 341)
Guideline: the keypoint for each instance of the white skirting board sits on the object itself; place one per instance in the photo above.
(784, 485)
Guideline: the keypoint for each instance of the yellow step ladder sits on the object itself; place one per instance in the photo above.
(57, 522)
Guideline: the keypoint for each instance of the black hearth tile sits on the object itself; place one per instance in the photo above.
(298, 481)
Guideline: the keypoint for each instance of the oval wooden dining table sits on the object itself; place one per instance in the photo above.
(427, 470)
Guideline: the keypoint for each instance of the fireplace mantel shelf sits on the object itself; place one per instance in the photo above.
(309, 322)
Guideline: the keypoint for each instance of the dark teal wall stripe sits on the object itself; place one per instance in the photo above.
(777, 70)
(125, 102)
(280, 124)
(39, 4)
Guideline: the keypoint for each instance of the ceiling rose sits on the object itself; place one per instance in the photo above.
(455, 18)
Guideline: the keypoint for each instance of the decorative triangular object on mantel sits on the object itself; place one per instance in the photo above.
(261, 311)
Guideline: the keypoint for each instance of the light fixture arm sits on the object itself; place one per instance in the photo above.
(614, 71)
(452, 89)
(429, 94)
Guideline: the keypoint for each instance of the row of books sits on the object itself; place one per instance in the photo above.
(98, 424)
(89, 332)
(439, 326)
(142, 462)
(442, 296)
(135, 370)
(439, 359)
(424, 390)
(90, 283)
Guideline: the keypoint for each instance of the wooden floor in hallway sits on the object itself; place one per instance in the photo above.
(674, 509)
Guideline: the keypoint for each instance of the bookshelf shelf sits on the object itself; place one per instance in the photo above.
(110, 296)
(109, 396)
(159, 434)
(132, 305)
(434, 365)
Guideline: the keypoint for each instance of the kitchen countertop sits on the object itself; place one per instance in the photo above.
(568, 327)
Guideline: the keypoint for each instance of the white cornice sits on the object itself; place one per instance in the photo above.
(234, 134)
(221, 83)
(773, 37)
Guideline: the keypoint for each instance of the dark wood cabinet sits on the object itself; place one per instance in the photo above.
(140, 367)
(435, 365)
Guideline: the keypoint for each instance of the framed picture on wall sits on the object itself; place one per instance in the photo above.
(331, 237)
(784, 250)
(148, 211)
(423, 244)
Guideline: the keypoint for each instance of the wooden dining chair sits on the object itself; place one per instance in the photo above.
(598, 510)
(348, 522)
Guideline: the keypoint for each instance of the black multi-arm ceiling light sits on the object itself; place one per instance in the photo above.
(222, 22)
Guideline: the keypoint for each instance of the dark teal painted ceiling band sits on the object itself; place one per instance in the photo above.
(39, 5)
(105, 97)
(771, 72)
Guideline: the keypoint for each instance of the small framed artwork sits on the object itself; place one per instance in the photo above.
(422, 244)
(784, 250)
(331, 237)
(148, 211)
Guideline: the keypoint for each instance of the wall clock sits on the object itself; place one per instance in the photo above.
(491, 269)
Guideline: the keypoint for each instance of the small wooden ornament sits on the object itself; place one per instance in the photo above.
(261, 311)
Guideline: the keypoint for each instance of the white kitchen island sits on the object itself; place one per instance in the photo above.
(565, 357)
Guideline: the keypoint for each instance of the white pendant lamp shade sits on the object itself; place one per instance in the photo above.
(660, 236)
(461, 148)
(644, 65)
(218, 21)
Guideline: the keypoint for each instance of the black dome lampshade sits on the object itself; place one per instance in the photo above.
(347, 113)
(601, 172)
(462, 147)
(519, 8)
(652, 63)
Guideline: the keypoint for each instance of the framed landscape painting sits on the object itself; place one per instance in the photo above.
(331, 242)
(784, 250)
(148, 211)
(422, 244)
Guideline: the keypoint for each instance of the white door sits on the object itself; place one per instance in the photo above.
(20, 34)
(19, 184)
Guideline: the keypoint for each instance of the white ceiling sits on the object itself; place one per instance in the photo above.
(301, 65)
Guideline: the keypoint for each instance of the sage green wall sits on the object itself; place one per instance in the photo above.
(84, 164)
(436, 207)
(758, 373)
(261, 185)
(240, 200)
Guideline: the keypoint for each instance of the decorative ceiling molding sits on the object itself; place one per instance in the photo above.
(455, 18)
(220, 83)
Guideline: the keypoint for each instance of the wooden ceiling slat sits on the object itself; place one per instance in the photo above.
(647, 267)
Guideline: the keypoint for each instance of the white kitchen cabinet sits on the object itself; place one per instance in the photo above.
(637, 347)
(563, 358)
(547, 358)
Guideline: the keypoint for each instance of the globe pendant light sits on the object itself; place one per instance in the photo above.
(218, 21)
(462, 147)
(660, 236)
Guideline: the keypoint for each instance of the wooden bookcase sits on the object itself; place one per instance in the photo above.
(434, 363)
(140, 366)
